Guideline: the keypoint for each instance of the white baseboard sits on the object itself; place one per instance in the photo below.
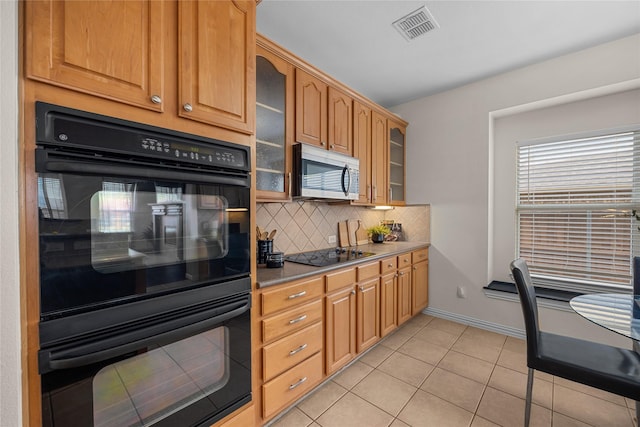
(481, 324)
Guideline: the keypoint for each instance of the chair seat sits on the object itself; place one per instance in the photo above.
(609, 368)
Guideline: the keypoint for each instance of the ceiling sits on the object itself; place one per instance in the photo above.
(354, 41)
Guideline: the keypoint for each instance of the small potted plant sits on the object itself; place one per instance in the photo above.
(378, 232)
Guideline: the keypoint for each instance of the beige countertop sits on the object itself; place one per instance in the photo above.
(292, 271)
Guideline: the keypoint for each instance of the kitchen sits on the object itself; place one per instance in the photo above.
(448, 254)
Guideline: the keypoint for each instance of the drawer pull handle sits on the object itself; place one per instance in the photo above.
(389, 265)
(298, 295)
(297, 319)
(296, 384)
(297, 350)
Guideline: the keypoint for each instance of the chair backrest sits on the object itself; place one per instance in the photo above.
(527, 294)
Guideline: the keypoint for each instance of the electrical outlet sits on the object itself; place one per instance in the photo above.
(332, 238)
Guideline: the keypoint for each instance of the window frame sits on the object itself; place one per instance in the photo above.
(580, 284)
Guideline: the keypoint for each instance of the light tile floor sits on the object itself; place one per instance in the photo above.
(434, 372)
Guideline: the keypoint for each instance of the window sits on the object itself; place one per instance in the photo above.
(574, 204)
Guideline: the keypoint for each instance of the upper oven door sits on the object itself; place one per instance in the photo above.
(110, 233)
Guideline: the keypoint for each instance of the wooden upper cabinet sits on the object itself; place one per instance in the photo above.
(379, 144)
(340, 122)
(362, 148)
(311, 109)
(324, 114)
(396, 153)
(274, 126)
(216, 62)
(113, 50)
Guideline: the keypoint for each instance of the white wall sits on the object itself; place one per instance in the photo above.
(10, 384)
(450, 164)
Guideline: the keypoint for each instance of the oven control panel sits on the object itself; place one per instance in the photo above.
(192, 153)
(66, 128)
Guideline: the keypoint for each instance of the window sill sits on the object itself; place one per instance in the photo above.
(548, 298)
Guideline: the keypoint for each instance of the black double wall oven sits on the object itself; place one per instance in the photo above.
(144, 264)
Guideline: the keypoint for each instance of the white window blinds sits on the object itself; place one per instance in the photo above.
(574, 204)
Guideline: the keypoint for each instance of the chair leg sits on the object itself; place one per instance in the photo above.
(527, 406)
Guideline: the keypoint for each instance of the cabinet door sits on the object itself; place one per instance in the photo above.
(311, 109)
(396, 163)
(340, 122)
(379, 143)
(388, 303)
(368, 314)
(340, 318)
(419, 287)
(362, 148)
(274, 126)
(404, 295)
(216, 63)
(113, 50)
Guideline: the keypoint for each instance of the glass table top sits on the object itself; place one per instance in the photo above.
(617, 312)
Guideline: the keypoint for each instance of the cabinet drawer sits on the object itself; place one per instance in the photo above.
(368, 271)
(284, 389)
(341, 279)
(291, 321)
(404, 260)
(290, 350)
(420, 255)
(388, 265)
(290, 295)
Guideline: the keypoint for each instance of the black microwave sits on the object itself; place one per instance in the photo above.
(322, 174)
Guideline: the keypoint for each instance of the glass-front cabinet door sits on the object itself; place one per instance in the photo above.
(397, 141)
(274, 126)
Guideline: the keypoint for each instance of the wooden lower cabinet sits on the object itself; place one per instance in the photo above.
(287, 352)
(340, 318)
(388, 303)
(367, 314)
(419, 287)
(404, 295)
(291, 385)
(315, 326)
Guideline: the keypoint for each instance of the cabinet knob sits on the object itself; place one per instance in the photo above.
(322, 143)
(361, 288)
(389, 265)
(187, 107)
(156, 99)
(333, 146)
(353, 292)
(401, 273)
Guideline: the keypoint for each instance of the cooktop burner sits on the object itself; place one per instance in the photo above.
(323, 257)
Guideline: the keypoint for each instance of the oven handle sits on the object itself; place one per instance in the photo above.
(98, 168)
(124, 344)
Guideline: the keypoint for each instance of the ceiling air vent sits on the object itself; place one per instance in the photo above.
(416, 23)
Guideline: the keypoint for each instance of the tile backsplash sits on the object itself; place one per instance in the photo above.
(306, 225)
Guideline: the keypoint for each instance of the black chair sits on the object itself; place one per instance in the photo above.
(613, 369)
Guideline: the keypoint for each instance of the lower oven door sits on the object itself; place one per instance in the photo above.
(177, 373)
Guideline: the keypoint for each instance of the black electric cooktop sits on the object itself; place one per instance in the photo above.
(324, 257)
